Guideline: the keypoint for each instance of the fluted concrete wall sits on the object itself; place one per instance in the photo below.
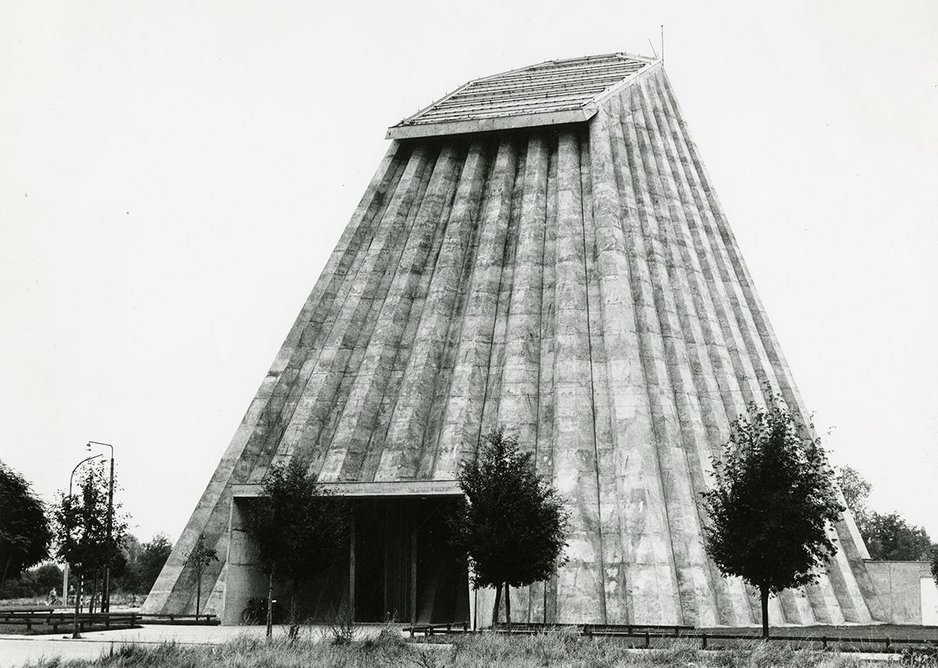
(578, 285)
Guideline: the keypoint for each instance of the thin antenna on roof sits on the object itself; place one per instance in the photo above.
(652, 47)
(662, 44)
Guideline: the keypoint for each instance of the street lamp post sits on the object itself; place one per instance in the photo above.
(71, 481)
(106, 601)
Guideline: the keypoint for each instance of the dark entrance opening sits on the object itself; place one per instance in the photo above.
(404, 567)
(398, 564)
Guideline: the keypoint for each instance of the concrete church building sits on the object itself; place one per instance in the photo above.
(540, 249)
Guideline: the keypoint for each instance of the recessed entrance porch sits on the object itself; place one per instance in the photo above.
(397, 565)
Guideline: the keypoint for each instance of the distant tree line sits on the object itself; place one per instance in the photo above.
(888, 536)
(134, 572)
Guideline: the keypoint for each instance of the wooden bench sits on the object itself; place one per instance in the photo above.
(47, 617)
(181, 620)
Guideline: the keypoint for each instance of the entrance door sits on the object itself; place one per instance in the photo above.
(405, 569)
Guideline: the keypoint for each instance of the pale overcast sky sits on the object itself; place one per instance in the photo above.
(173, 176)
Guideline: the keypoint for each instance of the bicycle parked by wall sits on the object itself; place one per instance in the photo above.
(256, 612)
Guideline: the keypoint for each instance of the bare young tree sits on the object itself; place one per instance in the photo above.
(198, 558)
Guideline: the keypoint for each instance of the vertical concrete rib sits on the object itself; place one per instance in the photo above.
(488, 417)
(581, 594)
(610, 523)
(517, 409)
(405, 433)
(463, 415)
(543, 606)
(644, 541)
(518, 404)
(500, 333)
(347, 448)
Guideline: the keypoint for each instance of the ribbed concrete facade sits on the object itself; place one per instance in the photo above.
(578, 284)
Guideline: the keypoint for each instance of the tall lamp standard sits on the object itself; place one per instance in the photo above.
(110, 520)
(71, 481)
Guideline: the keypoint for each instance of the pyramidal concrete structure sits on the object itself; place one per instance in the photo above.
(543, 250)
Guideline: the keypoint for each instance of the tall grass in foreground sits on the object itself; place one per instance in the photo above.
(555, 649)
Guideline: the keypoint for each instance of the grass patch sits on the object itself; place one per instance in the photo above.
(557, 649)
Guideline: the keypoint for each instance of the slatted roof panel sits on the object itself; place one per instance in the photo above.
(552, 92)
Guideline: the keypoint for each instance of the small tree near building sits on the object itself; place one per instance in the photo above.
(512, 527)
(24, 529)
(198, 558)
(772, 500)
(299, 527)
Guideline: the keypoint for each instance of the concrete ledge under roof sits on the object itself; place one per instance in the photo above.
(390, 488)
(490, 124)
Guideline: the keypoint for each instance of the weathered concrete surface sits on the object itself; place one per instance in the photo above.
(899, 584)
(579, 285)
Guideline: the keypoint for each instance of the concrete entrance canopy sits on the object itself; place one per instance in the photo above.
(390, 488)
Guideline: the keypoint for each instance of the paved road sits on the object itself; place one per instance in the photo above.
(16, 650)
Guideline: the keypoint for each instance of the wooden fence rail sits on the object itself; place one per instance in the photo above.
(708, 640)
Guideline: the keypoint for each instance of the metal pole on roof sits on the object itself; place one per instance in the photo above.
(662, 44)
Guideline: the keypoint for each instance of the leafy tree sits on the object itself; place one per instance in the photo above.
(144, 561)
(81, 529)
(856, 491)
(891, 538)
(198, 558)
(24, 529)
(151, 561)
(298, 526)
(888, 536)
(772, 499)
(513, 524)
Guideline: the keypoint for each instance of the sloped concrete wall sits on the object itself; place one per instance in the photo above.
(899, 584)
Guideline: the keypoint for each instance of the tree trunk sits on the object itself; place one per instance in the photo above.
(270, 604)
(764, 595)
(6, 569)
(498, 600)
(508, 606)
(94, 591)
(75, 633)
(294, 623)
